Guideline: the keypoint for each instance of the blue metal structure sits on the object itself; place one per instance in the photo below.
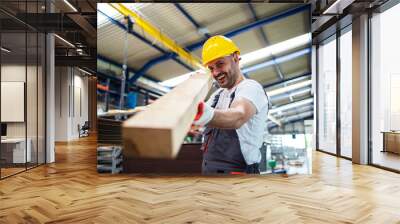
(118, 80)
(108, 76)
(242, 29)
(190, 18)
(255, 17)
(107, 60)
(150, 63)
(103, 58)
(264, 37)
(122, 26)
(257, 24)
(277, 60)
(286, 80)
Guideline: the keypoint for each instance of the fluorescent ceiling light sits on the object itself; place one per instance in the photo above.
(273, 119)
(291, 94)
(136, 6)
(300, 92)
(70, 5)
(5, 49)
(86, 72)
(338, 6)
(151, 84)
(289, 88)
(292, 105)
(179, 79)
(333, 6)
(298, 116)
(277, 60)
(65, 41)
(275, 49)
(105, 9)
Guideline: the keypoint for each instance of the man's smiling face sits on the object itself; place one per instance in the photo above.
(223, 71)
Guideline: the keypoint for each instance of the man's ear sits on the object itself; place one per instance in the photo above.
(236, 57)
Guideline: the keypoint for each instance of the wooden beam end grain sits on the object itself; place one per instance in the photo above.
(159, 131)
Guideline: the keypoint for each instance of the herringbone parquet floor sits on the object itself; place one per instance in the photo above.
(71, 191)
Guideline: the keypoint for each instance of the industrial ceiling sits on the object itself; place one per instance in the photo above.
(252, 26)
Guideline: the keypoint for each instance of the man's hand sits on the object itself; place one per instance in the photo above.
(194, 131)
(204, 115)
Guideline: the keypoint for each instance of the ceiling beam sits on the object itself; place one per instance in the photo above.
(294, 78)
(281, 59)
(337, 7)
(273, 125)
(83, 61)
(159, 49)
(84, 24)
(232, 33)
(292, 105)
(17, 19)
(158, 35)
(289, 88)
(110, 61)
(295, 111)
(298, 116)
(299, 91)
(118, 80)
(274, 120)
(145, 83)
(191, 19)
(277, 68)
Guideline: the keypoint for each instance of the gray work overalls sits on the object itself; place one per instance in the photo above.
(221, 148)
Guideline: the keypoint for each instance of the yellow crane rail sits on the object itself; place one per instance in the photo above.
(158, 35)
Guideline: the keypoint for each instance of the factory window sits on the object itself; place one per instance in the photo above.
(345, 92)
(385, 89)
(327, 95)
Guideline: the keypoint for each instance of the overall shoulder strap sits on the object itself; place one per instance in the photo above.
(232, 97)
(216, 98)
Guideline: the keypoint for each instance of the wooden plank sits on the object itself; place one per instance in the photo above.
(71, 191)
(159, 131)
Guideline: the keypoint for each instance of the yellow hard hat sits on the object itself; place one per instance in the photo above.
(216, 47)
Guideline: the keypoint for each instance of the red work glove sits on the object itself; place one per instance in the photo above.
(205, 113)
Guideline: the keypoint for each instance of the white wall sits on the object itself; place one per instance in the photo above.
(62, 78)
(71, 102)
(80, 102)
(15, 72)
(34, 124)
(10, 73)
